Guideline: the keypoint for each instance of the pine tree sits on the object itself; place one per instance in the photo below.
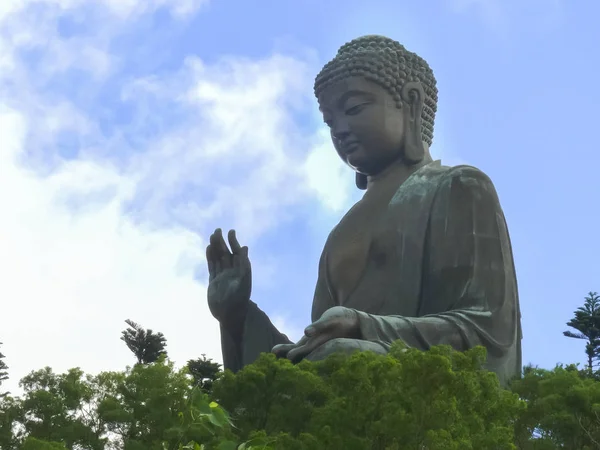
(205, 372)
(146, 345)
(3, 373)
(587, 322)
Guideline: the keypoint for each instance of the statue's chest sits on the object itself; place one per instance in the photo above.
(364, 240)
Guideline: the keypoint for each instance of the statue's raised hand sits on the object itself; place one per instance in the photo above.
(230, 279)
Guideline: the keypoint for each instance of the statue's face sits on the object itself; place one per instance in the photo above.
(367, 128)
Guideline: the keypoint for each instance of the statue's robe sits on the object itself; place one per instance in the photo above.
(433, 266)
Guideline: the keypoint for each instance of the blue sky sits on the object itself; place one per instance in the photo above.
(130, 129)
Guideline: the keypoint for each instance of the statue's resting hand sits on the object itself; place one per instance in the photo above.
(230, 280)
(337, 328)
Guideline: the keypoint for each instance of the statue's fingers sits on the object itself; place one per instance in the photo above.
(319, 326)
(303, 340)
(281, 350)
(239, 260)
(220, 243)
(215, 245)
(311, 345)
(244, 256)
(210, 262)
(296, 354)
(233, 242)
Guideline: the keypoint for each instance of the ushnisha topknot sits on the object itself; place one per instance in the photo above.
(387, 63)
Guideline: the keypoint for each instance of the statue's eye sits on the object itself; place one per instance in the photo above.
(353, 110)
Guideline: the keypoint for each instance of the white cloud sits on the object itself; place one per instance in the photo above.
(238, 141)
(74, 267)
(34, 25)
(122, 9)
(179, 8)
(327, 175)
(118, 230)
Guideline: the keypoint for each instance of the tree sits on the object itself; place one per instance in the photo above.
(147, 407)
(9, 415)
(151, 407)
(586, 321)
(3, 373)
(36, 444)
(407, 399)
(204, 371)
(563, 409)
(61, 408)
(146, 345)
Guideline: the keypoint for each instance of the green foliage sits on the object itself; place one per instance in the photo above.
(9, 414)
(3, 373)
(271, 395)
(407, 399)
(146, 345)
(563, 409)
(147, 407)
(204, 372)
(586, 321)
(36, 444)
(156, 407)
(57, 408)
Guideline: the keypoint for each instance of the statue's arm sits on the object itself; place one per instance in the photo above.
(469, 291)
(323, 297)
(259, 335)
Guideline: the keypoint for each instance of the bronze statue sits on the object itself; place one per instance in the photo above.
(424, 256)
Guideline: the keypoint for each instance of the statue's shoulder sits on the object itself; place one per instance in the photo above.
(432, 179)
(466, 175)
(436, 173)
(466, 183)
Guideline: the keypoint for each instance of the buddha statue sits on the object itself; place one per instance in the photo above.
(424, 256)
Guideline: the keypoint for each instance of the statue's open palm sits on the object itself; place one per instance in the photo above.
(230, 278)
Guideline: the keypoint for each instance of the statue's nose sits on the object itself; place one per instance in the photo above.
(341, 130)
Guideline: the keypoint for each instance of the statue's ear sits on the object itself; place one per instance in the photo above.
(413, 98)
(361, 181)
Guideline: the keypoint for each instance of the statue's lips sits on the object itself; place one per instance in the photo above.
(350, 147)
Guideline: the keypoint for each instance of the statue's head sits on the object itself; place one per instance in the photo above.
(379, 101)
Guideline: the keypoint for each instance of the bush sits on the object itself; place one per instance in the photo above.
(407, 399)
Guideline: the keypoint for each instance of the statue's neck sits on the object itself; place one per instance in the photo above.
(393, 176)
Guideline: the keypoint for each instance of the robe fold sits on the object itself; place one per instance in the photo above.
(439, 270)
